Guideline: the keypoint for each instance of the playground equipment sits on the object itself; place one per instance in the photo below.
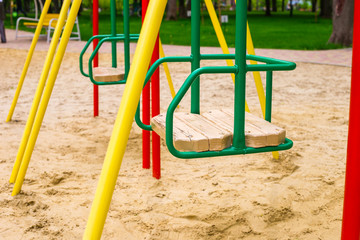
(137, 75)
(42, 96)
(137, 79)
(113, 74)
(49, 23)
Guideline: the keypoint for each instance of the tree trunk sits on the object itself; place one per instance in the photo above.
(267, 4)
(343, 18)
(325, 8)
(313, 5)
(274, 7)
(283, 5)
(182, 9)
(291, 8)
(171, 10)
(249, 6)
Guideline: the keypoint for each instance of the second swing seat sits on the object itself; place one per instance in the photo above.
(213, 131)
(108, 74)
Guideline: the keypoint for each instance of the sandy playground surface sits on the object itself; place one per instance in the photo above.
(299, 196)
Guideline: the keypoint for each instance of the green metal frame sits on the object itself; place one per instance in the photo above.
(239, 69)
(113, 38)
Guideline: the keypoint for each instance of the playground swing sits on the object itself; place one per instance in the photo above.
(137, 79)
(113, 74)
(219, 132)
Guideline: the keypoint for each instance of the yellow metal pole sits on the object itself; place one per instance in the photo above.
(257, 78)
(167, 71)
(219, 32)
(47, 93)
(221, 38)
(40, 88)
(124, 120)
(28, 59)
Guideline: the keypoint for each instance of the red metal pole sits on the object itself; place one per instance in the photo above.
(146, 108)
(351, 212)
(155, 107)
(96, 59)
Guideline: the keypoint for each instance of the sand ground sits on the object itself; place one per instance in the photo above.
(299, 196)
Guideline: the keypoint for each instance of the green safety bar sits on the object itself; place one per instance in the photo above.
(272, 65)
(228, 151)
(113, 38)
(151, 71)
(133, 37)
(108, 39)
(239, 69)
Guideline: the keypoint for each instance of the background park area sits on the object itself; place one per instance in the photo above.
(300, 28)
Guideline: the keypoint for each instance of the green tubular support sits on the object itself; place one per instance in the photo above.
(179, 96)
(285, 65)
(268, 101)
(232, 151)
(119, 37)
(127, 37)
(139, 122)
(113, 38)
(239, 69)
(240, 76)
(229, 151)
(151, 71)
(108, 39)
(195, 53)
(113, 32)
(84, 50)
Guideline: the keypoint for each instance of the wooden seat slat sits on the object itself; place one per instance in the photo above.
(216, 128)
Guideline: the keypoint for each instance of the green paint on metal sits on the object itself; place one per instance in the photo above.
(113, 32)
(193, 80)
(240, 76)
(127, 38)
(195, 53)
(113, 37)
(268, 101)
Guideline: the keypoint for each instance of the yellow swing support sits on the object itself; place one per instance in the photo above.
(38, 108)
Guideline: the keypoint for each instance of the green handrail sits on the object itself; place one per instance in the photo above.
(92, 56)
(229, 151)
(113, 38)
(133, 37)
(151, 71)
(278, 65)
(239, 69)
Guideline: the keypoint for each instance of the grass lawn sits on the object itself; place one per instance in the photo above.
(278, 31)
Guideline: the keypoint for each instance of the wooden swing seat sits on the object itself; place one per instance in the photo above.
(108, 74)
(213, 131)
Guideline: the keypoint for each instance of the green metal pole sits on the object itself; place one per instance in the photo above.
(240, 77)
(113, 32)
(127, 38)
(268, 106)
(195, 52)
